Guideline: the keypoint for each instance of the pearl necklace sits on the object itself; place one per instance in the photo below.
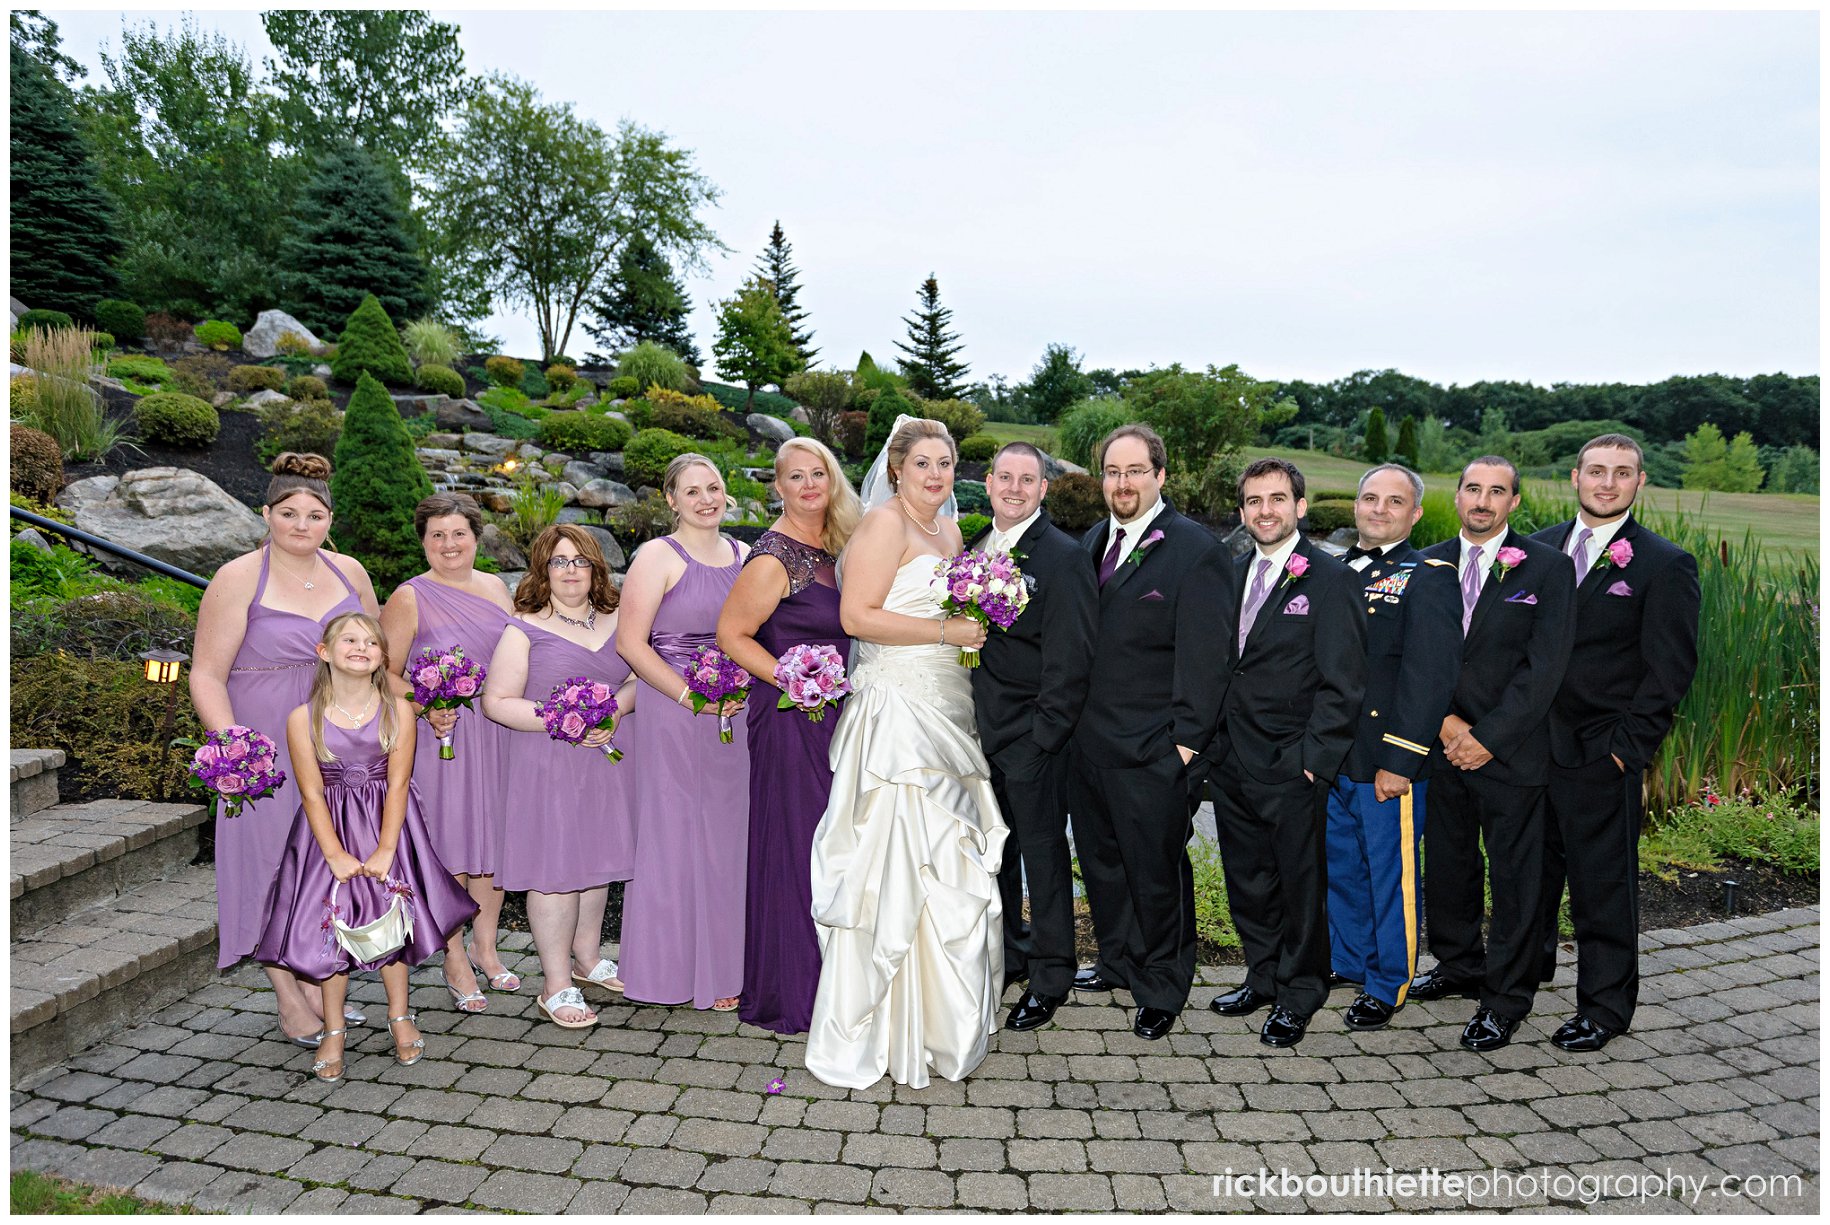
(932, 531)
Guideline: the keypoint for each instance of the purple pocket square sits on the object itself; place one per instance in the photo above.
(1152, 594)
(1521, 597)
(1297, 607)
(1620, 588)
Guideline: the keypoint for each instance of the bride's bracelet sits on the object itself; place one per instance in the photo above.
(943, 631)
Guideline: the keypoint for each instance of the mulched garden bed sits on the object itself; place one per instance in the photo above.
(229, 461)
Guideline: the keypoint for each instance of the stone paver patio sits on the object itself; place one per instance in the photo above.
(667, 1110)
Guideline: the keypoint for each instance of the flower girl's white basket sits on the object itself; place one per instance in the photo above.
(375, 940)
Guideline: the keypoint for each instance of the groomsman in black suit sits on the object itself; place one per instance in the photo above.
(1028, 691)
(1299, 670)
(1167, 606)
(1493, 759)
(1637, 604)
(1377, 806)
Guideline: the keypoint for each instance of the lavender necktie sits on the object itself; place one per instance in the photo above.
(1254, 599)
(1581, 552)
(1470, 587)
(1110, 564)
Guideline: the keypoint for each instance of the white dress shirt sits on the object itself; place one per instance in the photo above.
(1604, 536)
(1280, 557)
(1488, 552)
(999, 542)
(1134, 531)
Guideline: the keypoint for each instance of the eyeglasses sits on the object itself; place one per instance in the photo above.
(568, 563)
(1133, 475)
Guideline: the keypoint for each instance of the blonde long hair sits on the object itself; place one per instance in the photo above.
(843, 510)
(320, 688)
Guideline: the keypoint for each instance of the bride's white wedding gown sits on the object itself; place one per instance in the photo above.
(905, 865)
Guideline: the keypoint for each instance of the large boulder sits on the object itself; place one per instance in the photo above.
(493, 445)
(610, 461)
(603, 493)
(773, 428)
(461, 415)
(266, 396)
(494, 543)
(582, 474)
(801, 415)
(176, 515)
(263, 339)
(1053, 468)
(613, 552)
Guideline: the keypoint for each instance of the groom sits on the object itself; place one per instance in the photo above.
(1028, 691)
(1167, 608)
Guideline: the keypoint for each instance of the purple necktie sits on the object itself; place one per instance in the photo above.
(1470, 587)
(1110, 564)
(1254, 599)
(1581, 551)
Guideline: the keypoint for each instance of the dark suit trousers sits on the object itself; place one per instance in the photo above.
(1597, 808)
(1466, 811)
(1131, 831)
(1274, 854)
(1036, 810)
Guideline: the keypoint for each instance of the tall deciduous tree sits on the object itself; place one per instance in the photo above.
(1056, 384)
(932, 366)
(776, 266)
(63, 227)
(754, 345)
(532, 205)
(1206, 419)
(35, 35)
(643, 300)
(348, 239)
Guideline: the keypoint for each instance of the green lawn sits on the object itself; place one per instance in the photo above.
(48, 1195)
(1008, 431)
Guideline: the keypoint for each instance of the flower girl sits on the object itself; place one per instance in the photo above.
(358, 885)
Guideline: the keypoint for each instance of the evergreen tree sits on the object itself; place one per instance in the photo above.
(63, 226)
(1406, 452)
(931, 366)
(1378, 442)
(882, 419)
(348, 240)
(643, 301)
(754, 345)
(377, 483)
(776, 267)
(370, 345)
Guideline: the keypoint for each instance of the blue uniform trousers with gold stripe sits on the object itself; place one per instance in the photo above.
(1375, 893)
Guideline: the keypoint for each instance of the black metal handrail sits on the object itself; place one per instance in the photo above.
(109, 546)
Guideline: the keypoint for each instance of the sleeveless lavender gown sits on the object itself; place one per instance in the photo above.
(298, 934)
(790, 780)
(571, 826)
(684, 909)
(464, 799)
(270, 678)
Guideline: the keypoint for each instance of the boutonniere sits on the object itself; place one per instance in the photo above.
(1506, 560)
(1137, 555)
(1617, 554)
(1295, 568)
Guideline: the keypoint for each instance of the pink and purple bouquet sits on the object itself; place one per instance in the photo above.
(812, 677)
(577, 707)
(446, 680)
(237, 764)
(988, 587)
(714, 677)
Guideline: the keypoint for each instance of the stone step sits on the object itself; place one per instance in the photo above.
(73, 856)
(34, 780)
(110, 966)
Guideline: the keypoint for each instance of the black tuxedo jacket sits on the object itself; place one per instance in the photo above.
(1514, 657)
(1032, 678)
(1413, 659)
(1297, 685)
(1166, 622)
(1635, 650)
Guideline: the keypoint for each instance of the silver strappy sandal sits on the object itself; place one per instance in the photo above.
(417, 1046)
(323, 1065)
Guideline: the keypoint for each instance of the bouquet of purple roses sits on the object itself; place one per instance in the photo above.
(714, 676)
(578, 706)
(988, 587)
(236, 764)
(811, 677)
(445, 680)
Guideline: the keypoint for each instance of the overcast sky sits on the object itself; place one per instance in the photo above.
(1550, 196)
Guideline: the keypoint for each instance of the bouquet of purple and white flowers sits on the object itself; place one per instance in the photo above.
(446, 680)
(812, 677)
(237, 764)
(577, 707)
(988, 587)
(713, 677)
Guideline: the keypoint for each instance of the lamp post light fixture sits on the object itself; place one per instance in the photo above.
(163, 668)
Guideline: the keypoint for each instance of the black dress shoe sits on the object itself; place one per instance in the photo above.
(1283, 1028)
(1488, 1031)
(1153, 1023)
(1368, 1013)
(1433, 984)
(1579, 1033)
(1033, 1011)
(1243, 1002)
(1089, 980)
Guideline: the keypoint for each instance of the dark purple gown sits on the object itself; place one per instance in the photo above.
(789, 784)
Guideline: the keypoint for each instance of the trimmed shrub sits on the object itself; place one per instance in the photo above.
(851, 433)
(694, 416)
(583, 433)
(1074, 501)
(201, 375)
(291, 344)
(218, 334)
(310, 427)
(978, 449)
(972, 497)
(1330, 515)
(245, 379)
(962, 418)
(504, 371)
(101, 342)
(622, 387)
(639, 411)
(24, 398)
(167, 330)
(1080, 428)
(430, 343)
(653, 365)
(560, 377)
(96, 709)
(43, 510)
(45, 319)
(307, 387)
(641, 521)
(884, 410)
(38, 463)
(972, 525)
(533, 383)
(378, 481)
(175, 419)
(646, 456)
(370, 345)
(442, 380)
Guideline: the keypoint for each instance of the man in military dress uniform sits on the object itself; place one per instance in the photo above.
(1376, 805)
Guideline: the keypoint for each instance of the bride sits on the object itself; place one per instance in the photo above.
(905, 859)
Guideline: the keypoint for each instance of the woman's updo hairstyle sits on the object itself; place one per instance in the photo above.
(904, 440)
(299, 473)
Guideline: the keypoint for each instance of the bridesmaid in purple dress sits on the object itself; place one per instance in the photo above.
(256, 653)
(455, 604)
(787, 597)
(570, 832)
(683, 910)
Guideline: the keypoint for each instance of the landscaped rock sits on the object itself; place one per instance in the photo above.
(773, 428)
(263, 339)
(498, 500)
(222, 399)
(445, 442)
(567, 490)
(512, 579)
(528, 451)
(417, 404)
(322, 370)
(582, 474)
(1053, 468)
(611, 462)
(438, 457)
(266, 396)
(461, 415)
(578, 514)
(602, 493)
(494, 543)
(173, 514)
(31, 536)
(489, 444)
(613, 552)
(801, 414)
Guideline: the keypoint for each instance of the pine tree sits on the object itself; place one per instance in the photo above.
(376, 483)
(1378, 442)
(643, 301)
(930, 366)
(64, 227)
(371, 345)
(1406, 452)
(776, 267)
(348, 239)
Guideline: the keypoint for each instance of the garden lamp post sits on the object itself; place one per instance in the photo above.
(163, 668)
